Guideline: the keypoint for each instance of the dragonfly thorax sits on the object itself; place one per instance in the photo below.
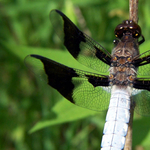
(122, 70)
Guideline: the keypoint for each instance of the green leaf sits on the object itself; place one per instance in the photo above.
(65, 112)
(141, 134)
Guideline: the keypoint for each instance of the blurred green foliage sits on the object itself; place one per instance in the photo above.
(24, 100)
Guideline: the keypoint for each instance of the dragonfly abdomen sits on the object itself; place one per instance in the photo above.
(116, 126)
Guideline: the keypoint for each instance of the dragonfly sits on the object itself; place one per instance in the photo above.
(119, 80)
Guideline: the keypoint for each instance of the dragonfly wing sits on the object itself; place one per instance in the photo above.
(81, 47)
(85, 89)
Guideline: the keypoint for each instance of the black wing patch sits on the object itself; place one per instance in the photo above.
(81, 47)
(79, 87)
(142, 83)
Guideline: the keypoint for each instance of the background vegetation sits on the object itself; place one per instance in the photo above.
(28, 104)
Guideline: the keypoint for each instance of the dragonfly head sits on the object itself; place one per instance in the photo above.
(126, 28)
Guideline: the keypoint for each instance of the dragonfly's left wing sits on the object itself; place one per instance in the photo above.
(83, 48)
(82, 88)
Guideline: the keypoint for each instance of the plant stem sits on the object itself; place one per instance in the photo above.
(133, 10)
(133, 15)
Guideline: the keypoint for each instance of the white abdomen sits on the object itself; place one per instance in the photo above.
(117, 119)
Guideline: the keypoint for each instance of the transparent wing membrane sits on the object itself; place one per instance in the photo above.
(142, 102)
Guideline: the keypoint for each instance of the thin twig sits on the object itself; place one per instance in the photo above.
(133, 15)
(133, 10)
